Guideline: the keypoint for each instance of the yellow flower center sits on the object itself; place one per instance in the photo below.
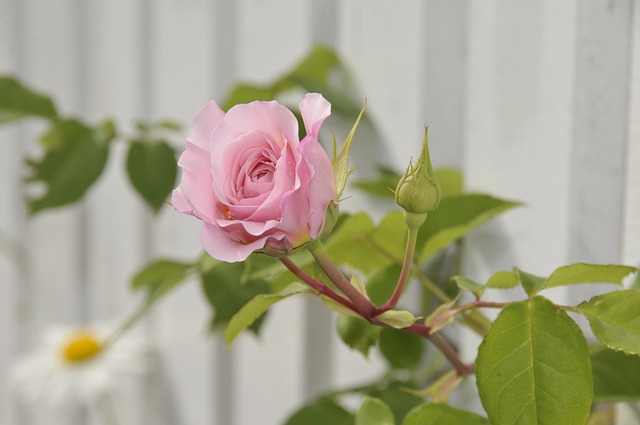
(81, 347)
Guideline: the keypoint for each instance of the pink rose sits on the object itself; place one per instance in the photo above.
(251, 181)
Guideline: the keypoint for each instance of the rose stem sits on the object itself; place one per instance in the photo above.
(316, 285)
(412, 237)
(363, 305)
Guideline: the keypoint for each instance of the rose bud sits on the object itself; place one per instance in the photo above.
(418, 191)
(252, 182)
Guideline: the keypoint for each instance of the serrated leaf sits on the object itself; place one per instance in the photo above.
(228, 295)
(442, 414)
(588, 273)
(441, 316)
(402, 350)
(442, 388)
(530, 282)
(18, 101)
(321, 412)
(160, 277)
(340, 161)
(615, 376)
(533, 367)
(70, 167)
(615, 319)
(357, 334)
(467, 284)
(455, 217)
(374, 411)
(397, 319)
(502, 280)
(256, 307)
(152, 170)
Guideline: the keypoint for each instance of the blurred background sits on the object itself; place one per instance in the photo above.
(537, 101)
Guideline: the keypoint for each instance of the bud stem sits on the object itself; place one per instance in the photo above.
(363, 305)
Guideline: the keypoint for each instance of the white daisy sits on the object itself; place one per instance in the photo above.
(77, 366)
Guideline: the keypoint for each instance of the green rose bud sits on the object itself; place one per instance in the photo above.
(418, 191)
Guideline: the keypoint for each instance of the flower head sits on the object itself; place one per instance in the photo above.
(73, 365)
(253, 184)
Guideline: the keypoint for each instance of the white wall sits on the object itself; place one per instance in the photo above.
(535, 100)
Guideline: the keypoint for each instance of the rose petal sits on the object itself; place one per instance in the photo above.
(218, 244)
(194, 195)
(207, 118)
(314, 110)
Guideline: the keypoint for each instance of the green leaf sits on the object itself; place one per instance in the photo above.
(340, 161)
(450, 180)
(502, 280)
(374, 411)
(391, 236)
(533, 367)
(401, 349)
(442, 414)
(615, 319)
(441, 389)
(159, 278)
(317, 66)
(321, 412)
(256, 307)
(467, 284)
(588, 273)
(455, 217)
(245, 93)
(18, 101)
(152, 170)
(530, 282)
(612, 376)
(75, 161)
(227, 294)
(397, 319)
(357, 334)
(384, 184)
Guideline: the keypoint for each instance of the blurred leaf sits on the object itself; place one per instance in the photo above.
(441, 389)
(317, 65)
(228, 296)
(249, 314)
(245, 93)
(442, 414)
(76, 158)
(532, 364)
(455, 217)
(382, 283)
(159, 278)
(397, 319)
(450, 180)
(402, 350)
(615, 319)
(152, 170)
(588, 273)
(18, 101)
(357, 334)
(321, 412)
(374, 411)
(397, 396)
(615, 375)
(340, 161)
(467, 284)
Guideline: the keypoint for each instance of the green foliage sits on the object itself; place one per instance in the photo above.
(152, 169)
(384, 184)
(397, 319)
(160, 277)
(76, 158)
(382, 283)
(502, 280)
(398, 396)
(615, 375)
(227, 295)
(615, 319)
(18, 101)
(588, 273)
(322, 412)
(248, 307)
(530, 282)
(340, 160)
(467, 284)
(374, 412)
(357, 334)
(533, 367)
(455, 217)
(442, 414)
(402, 350)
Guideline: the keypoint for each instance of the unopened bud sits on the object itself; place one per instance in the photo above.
(418, 191)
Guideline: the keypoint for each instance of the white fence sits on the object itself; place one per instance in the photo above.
(534, 100)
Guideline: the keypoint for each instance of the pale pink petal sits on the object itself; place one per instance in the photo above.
(314, 109)
(218, 244)
(207, 118)
(196, 185)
